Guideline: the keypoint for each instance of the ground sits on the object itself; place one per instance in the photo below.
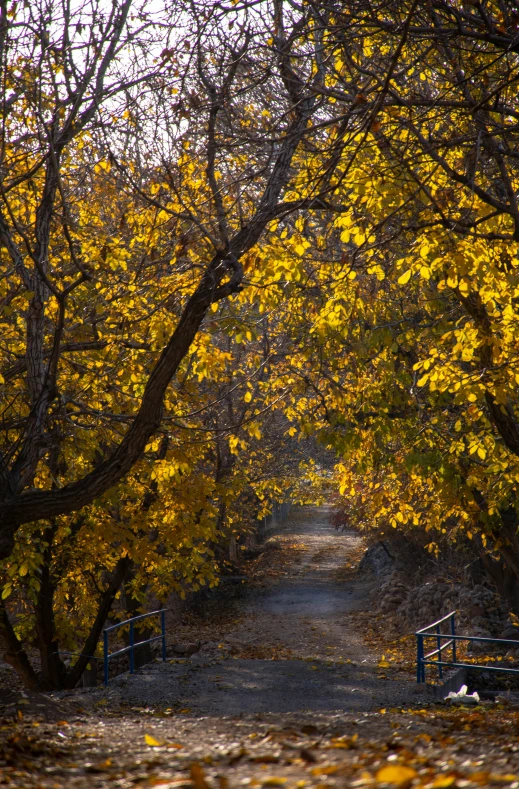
(291, 694)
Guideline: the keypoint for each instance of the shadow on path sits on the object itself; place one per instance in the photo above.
(304, 611)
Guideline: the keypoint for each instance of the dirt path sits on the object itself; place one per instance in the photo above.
(321, 714)
(303, 618)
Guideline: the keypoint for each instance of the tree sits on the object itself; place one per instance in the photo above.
(226, 153)
(416, 379)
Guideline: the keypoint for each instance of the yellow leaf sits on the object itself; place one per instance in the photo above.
(425, 272)
(443, 782)
(396, 774)
(383, 662)
(273, 780)
(405, 277)
(327, 769)
(247, 397)
(149, 740)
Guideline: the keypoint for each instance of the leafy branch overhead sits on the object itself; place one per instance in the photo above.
(244, 247)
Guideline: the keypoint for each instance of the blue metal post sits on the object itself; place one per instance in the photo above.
(419, 656)
(453, 633)
(132, 639)
(439, 647)
(163, 625)
(105, 656)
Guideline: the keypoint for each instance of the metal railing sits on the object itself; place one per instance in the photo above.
(107, 656)
(451, 639)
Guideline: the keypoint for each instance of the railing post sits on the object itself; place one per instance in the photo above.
(439, 647)
(132, 641)
(453, 633)
(163, 625)
(105, 657)
(419, 657)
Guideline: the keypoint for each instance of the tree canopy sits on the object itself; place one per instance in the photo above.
(234, 237)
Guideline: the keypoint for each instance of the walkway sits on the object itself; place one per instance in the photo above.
(303, 619)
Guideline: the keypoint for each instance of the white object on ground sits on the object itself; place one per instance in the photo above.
(462, 697)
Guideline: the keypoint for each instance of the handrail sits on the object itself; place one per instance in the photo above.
(452, 639)
(435, 624)
(133, 619)
(438, 651)
(131, 648)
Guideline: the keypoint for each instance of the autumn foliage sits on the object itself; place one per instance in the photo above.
(230, 234)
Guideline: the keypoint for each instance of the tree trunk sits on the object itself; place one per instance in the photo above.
(105, 605)
(506, 581)
(52, 667)
(142, 655)
(14, 654)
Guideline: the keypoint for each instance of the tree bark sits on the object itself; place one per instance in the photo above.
(14, 653)
(105, 605)
(52, 667)
(143, 654)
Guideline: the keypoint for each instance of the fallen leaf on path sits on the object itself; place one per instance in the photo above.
(198, 777)
(151, 741)
(273, 780)
(396, 774)
(328, 769)
(345, 743)
(266, 758)
(444, 782)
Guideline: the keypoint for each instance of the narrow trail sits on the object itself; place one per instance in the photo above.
(303, 616)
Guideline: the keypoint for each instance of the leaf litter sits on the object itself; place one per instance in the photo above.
(96, 740)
